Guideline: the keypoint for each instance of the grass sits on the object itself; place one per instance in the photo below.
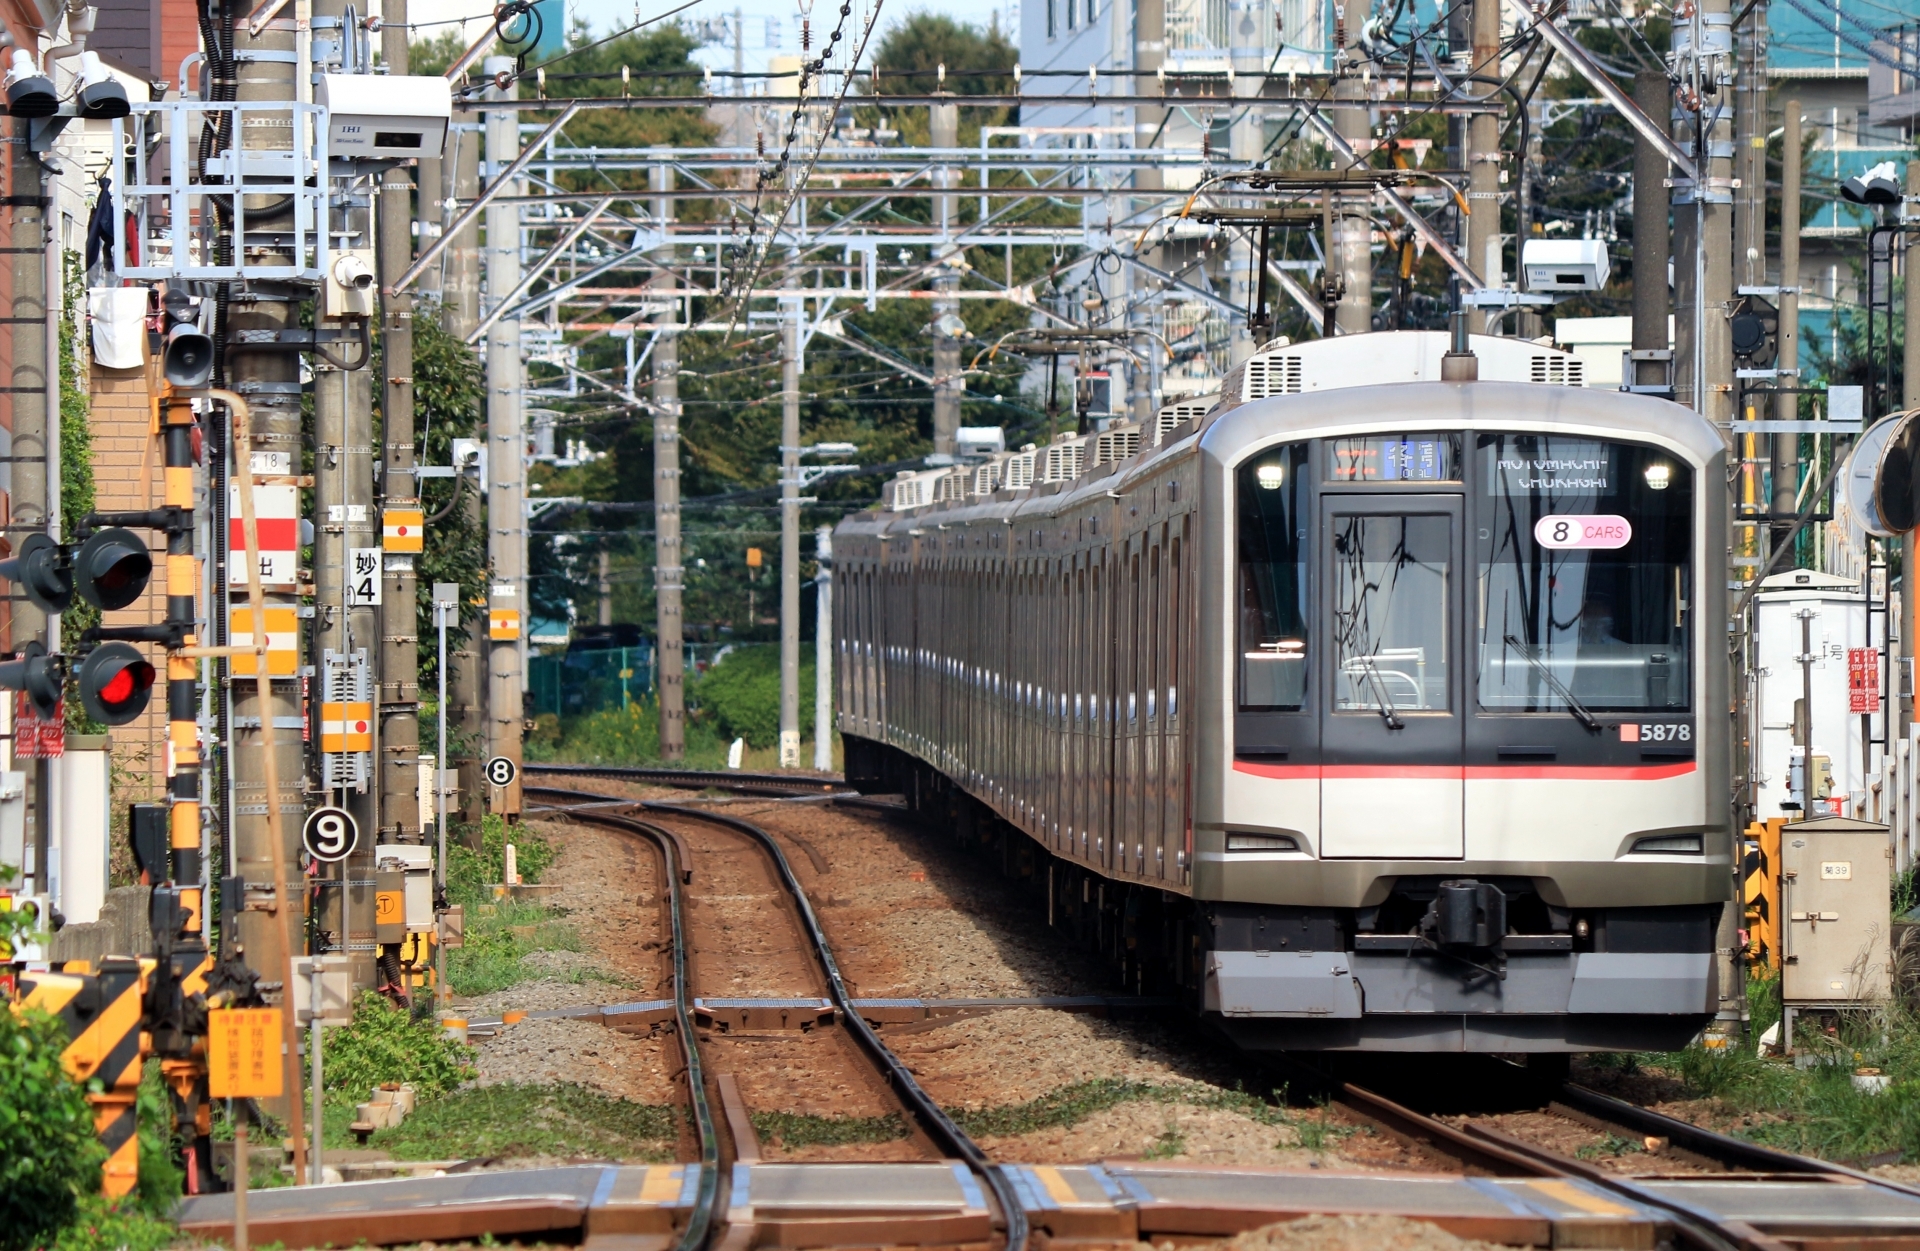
(515, 1120)
(792, 1130)
(1814, 1110)
(497, 942)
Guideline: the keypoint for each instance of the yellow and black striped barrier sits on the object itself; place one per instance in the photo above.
(1760, 878)
(102, 1013)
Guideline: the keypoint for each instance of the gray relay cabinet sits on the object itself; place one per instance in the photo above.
(1834, 931)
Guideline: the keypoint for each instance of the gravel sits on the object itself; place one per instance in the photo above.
(583, 1053)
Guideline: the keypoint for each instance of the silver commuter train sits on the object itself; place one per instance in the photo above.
(1366, 715)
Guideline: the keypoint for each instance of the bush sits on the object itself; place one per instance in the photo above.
(384, 1045)
(740, 696)
(471, 874)
(49, 1157)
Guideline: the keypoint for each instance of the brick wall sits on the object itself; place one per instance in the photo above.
(127, 461)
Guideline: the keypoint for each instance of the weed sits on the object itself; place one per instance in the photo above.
(1169, 1144)
(383, 1044)
(103, 1225)
(1611, 1145)
(1316, 1133)
(515, 1120)
(472, 875)
(489, 958)
(793, 1130)
(1069, 1105)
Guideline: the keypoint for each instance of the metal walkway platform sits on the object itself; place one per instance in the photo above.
(825, 1205)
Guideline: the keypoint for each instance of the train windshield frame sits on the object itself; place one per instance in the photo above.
(1578, 566)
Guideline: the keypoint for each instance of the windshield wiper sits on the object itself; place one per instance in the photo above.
(1387, 714)
(1574, 706)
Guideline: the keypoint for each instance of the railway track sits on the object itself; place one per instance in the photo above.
(1688, 1159)
(683, 836)
(772, 784)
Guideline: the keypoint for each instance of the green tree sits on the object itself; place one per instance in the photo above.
(449, 386)
(50, 1157)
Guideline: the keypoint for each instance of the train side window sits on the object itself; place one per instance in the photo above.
(1274, 497)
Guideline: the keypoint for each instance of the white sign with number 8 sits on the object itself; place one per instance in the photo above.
(1605, 532)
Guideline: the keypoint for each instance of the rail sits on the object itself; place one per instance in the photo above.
(932, 1119)
(700, 779)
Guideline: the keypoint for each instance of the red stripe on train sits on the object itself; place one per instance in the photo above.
(1591, 773)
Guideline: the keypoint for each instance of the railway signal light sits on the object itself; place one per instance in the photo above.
(40, 569)
(41, 676)
(111, 568)
(115, 682)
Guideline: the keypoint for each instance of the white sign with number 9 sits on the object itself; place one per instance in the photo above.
(330, 834)
(1604, 532)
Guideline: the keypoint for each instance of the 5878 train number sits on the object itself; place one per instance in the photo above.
(1650, 732)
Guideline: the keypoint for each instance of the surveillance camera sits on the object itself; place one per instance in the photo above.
(352, 271)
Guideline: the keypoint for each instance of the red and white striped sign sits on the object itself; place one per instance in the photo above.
(277, 526)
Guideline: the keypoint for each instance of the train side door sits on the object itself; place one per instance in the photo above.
(1391, 783)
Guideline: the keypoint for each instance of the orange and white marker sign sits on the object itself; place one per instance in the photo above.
(346, 727)
(503, 624)
(403, 529)
(283, 642)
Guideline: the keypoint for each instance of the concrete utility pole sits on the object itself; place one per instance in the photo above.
(1246, 48)
(35, 418)
(1483, 156)
(1703, 217)
(460, 313)
(1353, 215)
(1910, 367)
(343, 519)
(792, 308)
(506, 458)
(1786, 447)
(398, 770)
(1149, 54)
(271, 383)
(1652, 309)
(823, 651)
(945, 123)
(1750, 153)
(669, 664)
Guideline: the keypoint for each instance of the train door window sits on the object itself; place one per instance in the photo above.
(1274, 492)
(1389, 601)
(1583, 575)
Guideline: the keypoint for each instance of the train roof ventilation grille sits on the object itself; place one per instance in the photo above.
(1019, 471)
(1559, 371)
(1271, 375)
(1115, 444)
(1065, 460)
(1172, 416)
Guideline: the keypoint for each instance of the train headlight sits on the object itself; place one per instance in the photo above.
(1270, 477)
(1658, 476)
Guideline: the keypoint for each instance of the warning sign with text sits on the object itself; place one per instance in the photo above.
(1863, 679)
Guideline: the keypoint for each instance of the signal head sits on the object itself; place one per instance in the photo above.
(115, 683)
(111, 568)
(39, 566)
(40, 676)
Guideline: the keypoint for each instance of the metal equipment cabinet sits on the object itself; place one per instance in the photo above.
(1834, 882)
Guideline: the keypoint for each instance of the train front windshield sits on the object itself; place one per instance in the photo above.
(1583, 575)
(1577, 577)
